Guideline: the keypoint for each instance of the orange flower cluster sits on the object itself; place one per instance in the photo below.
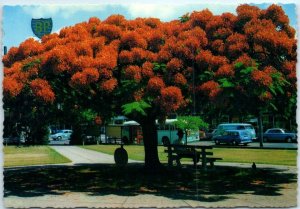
(261, 78)
(164, 55)
(246, 60)
(207, 60)
(109, 85)
(155, 40)
(200, 18)
(82, 62)
(265, 96)
(97, 44)
(105, 74)
(110, 32)
(94, 21)
(12, 87)
(82, 48)
(270, 70)
(174, 65)
(289, 67)
(218, 46)
(132, 39)
(171, 98)
(11, 57)
(210, 88)
(246, 12)
(277, 15)
(147, 70)
(136, 55)
(59, 59)
(87, 76)
(133, 72)
(225, 70)
(117, 20)
(108, 56)
(42, 90)
(179, 79)
(152, 22)
(30, 48)
(137, 95)
(155, 84)
(52, 40)
(236, 44)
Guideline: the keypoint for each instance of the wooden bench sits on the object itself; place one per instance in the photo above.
(195, 152)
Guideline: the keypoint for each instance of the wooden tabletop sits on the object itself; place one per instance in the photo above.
(192, 146)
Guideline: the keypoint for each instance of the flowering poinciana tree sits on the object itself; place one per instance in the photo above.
(147, 68)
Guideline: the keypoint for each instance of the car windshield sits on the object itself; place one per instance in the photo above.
(249, 127)
(244, 133)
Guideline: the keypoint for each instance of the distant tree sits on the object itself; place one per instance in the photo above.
(190, 123)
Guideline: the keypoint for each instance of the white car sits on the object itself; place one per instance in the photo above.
(62, 135)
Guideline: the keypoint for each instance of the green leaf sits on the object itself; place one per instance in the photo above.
(272, 89)
(273, 106)
(247, 70)
(225, 83)
(136, 107)
(238, 65)
(190, 122)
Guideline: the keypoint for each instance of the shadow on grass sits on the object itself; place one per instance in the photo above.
(186, 183)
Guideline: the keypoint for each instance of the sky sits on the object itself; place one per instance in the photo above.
(17, 19)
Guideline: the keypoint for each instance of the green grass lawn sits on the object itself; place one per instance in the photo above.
(260, 156)
(33, 155)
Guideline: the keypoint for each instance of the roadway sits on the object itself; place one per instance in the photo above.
(275, 145)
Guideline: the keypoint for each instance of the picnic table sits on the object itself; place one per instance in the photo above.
(196, 152)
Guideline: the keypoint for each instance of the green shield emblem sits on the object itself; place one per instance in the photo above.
(41, 26)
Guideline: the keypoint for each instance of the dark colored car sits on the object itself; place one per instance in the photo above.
(234, 137)
(279, 134)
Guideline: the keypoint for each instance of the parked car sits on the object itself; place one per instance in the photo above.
(279, 134)
(234, 137)
(209, 134)
(236, 126)
(62, 135)
(12, 140)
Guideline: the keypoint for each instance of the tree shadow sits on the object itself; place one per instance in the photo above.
(186, 183)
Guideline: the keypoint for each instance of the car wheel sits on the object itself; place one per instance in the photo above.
(288, 140)
(59, 138)
(235, 143)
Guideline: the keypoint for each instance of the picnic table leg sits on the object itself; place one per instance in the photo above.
(203, 153)
(170, 160)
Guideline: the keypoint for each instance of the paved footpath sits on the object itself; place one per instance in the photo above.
(80, 155)
(75, 199)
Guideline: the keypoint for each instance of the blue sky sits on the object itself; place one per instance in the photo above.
(17, 19)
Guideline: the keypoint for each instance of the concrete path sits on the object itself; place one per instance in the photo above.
(82, 156)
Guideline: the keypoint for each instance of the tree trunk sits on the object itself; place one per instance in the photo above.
(150, 144)
(260, 130)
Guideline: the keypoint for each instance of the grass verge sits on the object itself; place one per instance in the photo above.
(260, 156)
(33, 155)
